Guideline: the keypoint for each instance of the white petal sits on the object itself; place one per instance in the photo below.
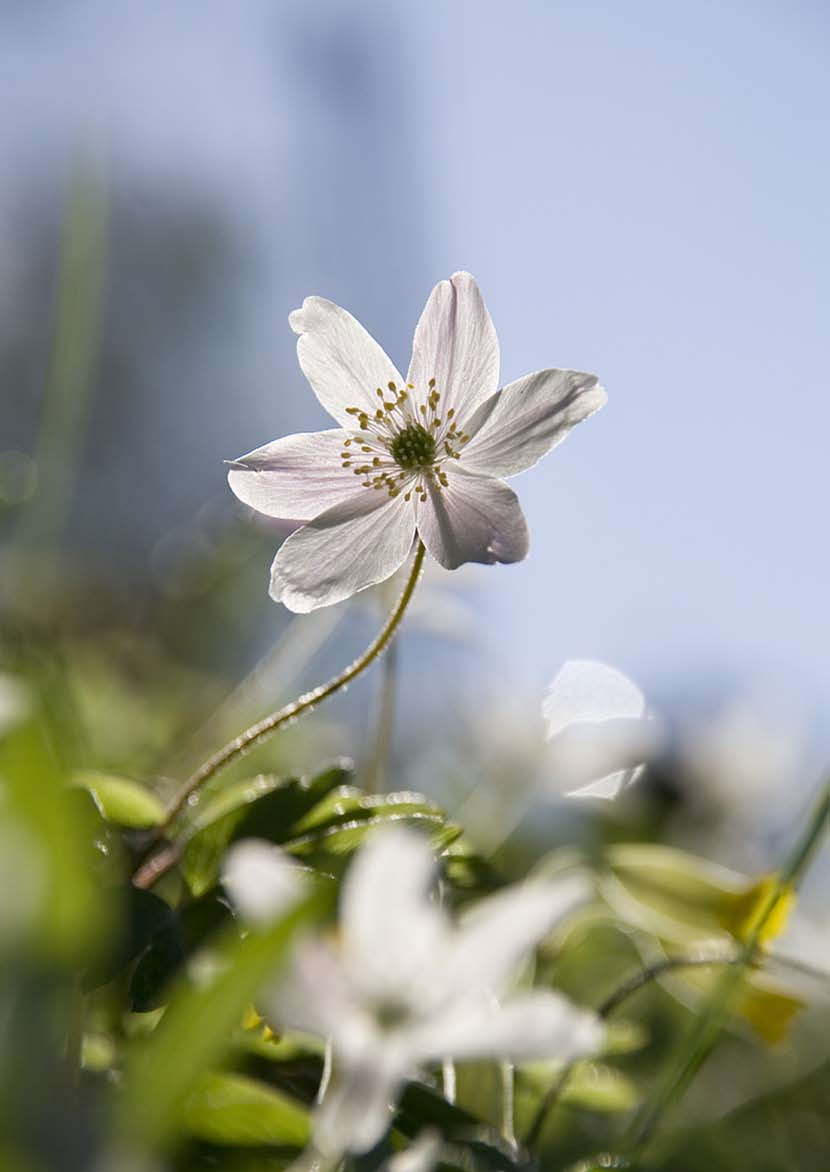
(295, 478)
(261, 880)
(393, 936)
(517, 425)
(502, 930)
(349, 547)
(455, 343)
(584, 689)
(356, 1110)
(598, 759)
(314, 994)
(343, 363)
(540, 1024)
(599, 728)
(474, 519)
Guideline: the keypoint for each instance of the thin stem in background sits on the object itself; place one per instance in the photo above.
(621, 994)
(68, 393)
(157, 866)
(382, 748)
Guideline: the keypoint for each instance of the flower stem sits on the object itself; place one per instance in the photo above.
(381, 750)
(152, 870)
(703, 1038)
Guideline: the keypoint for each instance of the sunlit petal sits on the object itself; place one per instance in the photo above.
(295, 478)
(473, 519)
(341, 360)
(456, 345)
(349, 547)
(517, 425)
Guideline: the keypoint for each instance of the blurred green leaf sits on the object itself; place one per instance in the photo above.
(121, 801)
(164, 1068)
(591, 1086)
(594, 1086)
(680, 896)
(421, 1107)
(262, 807)
(52, 903)
(625, 1037)
(235, 1110)
(145, 919)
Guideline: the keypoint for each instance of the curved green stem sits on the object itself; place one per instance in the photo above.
(152, 870)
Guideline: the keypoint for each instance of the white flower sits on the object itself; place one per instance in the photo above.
(599, 728)
(261, 880)
(405, 986)
(421, 455)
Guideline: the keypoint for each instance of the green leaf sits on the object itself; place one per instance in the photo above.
(625, 1037)
(121, 801)
(145, 920)
(594, 1086)
(266, 807)
(163, 1069)
(337, 825)
(235, 1110)
(422, 1107)
(59, 909)
(591, 1086)
(680, 896)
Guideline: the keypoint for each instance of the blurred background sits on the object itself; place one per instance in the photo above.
(641, 190)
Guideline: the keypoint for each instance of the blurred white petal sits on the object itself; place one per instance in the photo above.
(599, 729)
(393, 936)
(262, 882)
(501, 931)
(357, 1108)
(539, 1024)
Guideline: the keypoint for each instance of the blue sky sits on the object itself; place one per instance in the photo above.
(641, 190)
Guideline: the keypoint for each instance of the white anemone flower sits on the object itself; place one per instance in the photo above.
(404, 986)
(600, 730)
(423, 454)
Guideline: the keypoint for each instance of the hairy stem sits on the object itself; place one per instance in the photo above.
(152, 870)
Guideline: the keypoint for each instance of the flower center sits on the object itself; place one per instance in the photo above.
(413, 448)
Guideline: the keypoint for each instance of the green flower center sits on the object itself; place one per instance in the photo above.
(413, 448)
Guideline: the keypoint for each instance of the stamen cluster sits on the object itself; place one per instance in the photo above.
(405, 444)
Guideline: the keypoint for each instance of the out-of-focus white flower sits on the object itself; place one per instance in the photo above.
(405, 986)
(422, 455)
(261, 880)
(600, 730)
(747, 756)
